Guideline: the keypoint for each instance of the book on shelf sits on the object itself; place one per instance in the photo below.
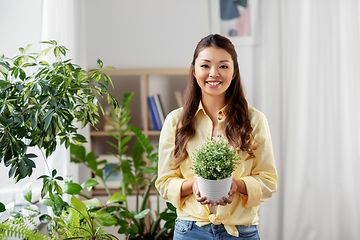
(159, 108)
(154, 113)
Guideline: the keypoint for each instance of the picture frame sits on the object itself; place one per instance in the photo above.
(114, 181)
(249, 28)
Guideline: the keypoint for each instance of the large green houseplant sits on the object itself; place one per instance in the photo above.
(39, 107)
(136, 223)
(40, 103)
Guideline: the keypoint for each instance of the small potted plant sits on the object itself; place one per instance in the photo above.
(214, 162)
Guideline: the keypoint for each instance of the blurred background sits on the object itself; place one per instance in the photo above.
(300, 65)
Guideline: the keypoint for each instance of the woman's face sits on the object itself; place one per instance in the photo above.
(214, 71)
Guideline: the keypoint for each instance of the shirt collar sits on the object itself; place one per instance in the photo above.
(221, 112)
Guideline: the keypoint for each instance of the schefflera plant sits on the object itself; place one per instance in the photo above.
(41, 101)
(215, 159)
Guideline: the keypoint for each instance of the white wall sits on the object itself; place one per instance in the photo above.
(152, 34)
(144, 34)
(20, 22)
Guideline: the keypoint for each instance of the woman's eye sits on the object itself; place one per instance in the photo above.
(224, 66)
(204, 66)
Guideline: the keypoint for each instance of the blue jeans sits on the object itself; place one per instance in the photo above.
(186, 230)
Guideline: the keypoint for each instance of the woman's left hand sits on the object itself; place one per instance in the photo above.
(228, 200)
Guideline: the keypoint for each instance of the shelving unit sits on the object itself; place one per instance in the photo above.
(143, 82)
(144, 75)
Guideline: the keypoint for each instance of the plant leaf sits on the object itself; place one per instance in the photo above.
(94, 202)
(2, 207)
(142, 214)
(79, 205)
(116, 197)
(170, 206)
(27, 192)
(45, 218)
(79, 139)
(30, 210)
(100, 63)
(89, 184)
(72, 188)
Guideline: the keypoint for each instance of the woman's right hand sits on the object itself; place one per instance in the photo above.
(196, 192)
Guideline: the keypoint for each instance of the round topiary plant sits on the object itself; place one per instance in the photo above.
(215, 159)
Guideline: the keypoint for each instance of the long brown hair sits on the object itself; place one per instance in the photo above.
(237, 124)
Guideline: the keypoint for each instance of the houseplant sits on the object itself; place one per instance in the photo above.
(135, 223)
(38, 108)
(214, 163)
(40, 102)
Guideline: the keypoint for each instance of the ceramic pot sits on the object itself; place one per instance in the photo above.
(214, 189)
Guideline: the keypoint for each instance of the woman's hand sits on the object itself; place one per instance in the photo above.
(228, 200)
(196, 192)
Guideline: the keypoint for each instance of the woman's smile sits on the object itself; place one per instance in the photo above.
(213, 84)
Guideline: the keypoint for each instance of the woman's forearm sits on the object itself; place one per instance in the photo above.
(186, 187)
(241, 186)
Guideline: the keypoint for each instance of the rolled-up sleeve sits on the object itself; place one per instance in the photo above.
(169, 181)
(262, 182)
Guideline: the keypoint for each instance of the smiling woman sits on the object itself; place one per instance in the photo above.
(215, 105)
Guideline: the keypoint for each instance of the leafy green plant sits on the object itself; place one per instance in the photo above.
(215, 159)
(21, 223)
(138, 223)
(79, 223)
(40, 101)
(21, 228)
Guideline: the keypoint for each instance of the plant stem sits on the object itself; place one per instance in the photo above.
(84, 195)
(147, 192)
(106, 187)
(123, 187)
(137, 198)
(45, 159)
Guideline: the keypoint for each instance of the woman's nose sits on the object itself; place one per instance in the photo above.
(214, 72)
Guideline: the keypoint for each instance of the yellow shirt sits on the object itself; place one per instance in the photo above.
(259, 173)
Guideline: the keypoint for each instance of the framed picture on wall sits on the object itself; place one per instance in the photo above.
(114, 180)
(236, 19)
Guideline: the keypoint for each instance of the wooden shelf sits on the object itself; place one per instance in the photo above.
(100, 191)
(150, 71)
(105, 134)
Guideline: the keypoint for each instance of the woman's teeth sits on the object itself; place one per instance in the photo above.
(213, 83)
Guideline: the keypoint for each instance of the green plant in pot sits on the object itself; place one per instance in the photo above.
(40, 103)
(214, 162)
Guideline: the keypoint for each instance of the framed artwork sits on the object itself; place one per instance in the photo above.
(114, 180)
(235, 19)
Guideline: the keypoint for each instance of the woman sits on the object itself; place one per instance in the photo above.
(215, 105)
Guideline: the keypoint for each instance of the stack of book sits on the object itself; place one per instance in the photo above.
(157, 111)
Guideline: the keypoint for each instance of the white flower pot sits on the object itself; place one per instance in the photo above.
(214, 189)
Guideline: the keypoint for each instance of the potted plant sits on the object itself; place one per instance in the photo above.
(40, 103)
(214, 162)
(38, 108)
